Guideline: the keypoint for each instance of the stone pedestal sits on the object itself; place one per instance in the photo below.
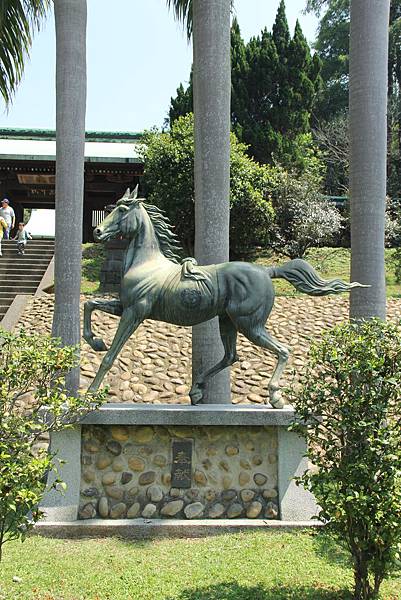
(111, 271)
(211, 463)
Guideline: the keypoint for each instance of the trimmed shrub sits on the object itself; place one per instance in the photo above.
(33, 403)
(350, 410)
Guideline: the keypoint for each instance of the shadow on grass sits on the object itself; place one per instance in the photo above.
(233, 591)
(325, 546)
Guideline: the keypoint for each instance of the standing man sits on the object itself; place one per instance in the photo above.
(8, 215)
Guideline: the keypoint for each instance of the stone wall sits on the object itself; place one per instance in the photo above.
(218, 472)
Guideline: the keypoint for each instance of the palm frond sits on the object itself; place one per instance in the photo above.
(183, 12)
(19, 20)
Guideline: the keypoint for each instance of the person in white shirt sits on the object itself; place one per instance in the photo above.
(8, 214)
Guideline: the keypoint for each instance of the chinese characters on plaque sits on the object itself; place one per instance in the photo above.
(181, 470)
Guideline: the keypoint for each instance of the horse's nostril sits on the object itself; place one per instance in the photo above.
(96, 232)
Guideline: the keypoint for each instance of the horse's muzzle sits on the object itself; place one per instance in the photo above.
(97, 234)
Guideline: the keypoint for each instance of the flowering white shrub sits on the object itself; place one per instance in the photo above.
(304, 218)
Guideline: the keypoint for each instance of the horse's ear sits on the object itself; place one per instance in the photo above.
(123, 199)
(134, 193)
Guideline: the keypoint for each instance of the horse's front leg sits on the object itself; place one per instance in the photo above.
(129, 322)
(113, 307)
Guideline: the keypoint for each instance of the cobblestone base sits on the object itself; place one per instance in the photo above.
(127, 472)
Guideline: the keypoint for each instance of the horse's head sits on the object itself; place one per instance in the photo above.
(123, 221)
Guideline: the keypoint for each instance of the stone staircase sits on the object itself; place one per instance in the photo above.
(22, 274)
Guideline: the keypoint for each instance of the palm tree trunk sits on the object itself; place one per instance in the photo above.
(212, 89)
(368, 108)
(70, 16)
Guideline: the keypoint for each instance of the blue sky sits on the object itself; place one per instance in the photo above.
(137, 56)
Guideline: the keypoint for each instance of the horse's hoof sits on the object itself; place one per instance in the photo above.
(98, 345)
(276, 399)
(196, 396)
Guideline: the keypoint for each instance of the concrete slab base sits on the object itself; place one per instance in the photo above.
(137, 529)
(295, 504)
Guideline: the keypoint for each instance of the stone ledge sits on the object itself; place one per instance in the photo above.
(160, 528)
(206, 414)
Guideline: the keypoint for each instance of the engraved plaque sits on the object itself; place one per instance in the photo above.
(181, 470)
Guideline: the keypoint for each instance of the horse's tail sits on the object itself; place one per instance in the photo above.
(304, 278)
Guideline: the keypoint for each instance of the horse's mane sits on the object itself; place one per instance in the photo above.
(168, 241)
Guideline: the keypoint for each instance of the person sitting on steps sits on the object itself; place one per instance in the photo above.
(22, 237)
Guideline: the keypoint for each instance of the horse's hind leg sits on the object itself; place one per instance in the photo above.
(113, 307)
(228, 333)
(259, 336)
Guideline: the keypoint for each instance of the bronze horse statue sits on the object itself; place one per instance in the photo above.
(155, 285)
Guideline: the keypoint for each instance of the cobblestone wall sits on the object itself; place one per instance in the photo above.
(230, 472)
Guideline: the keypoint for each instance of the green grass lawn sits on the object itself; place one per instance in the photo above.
(242, 566)
(92, 260)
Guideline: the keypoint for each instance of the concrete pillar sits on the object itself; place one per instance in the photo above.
(63, 505)
(368, 153)
(212, 89)
(296, 503)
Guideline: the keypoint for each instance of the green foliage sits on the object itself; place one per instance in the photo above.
(33, 402)
(332, 46)
(169, 179)
(19, 19)
(348, 403)
(182, 104)
(274, 84)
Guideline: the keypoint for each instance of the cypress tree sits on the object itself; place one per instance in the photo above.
(239, 73)
(303, 74)
(281, 32)
(182, 104)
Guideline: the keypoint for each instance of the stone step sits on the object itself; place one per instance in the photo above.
(22, 274)
(29, 245)
(24, 260)
(19, 289)
(5, 302)
(13, 249)
(23, 270)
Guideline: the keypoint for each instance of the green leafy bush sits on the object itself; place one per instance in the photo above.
(169, 181)
(350, 410)
(33, 403)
